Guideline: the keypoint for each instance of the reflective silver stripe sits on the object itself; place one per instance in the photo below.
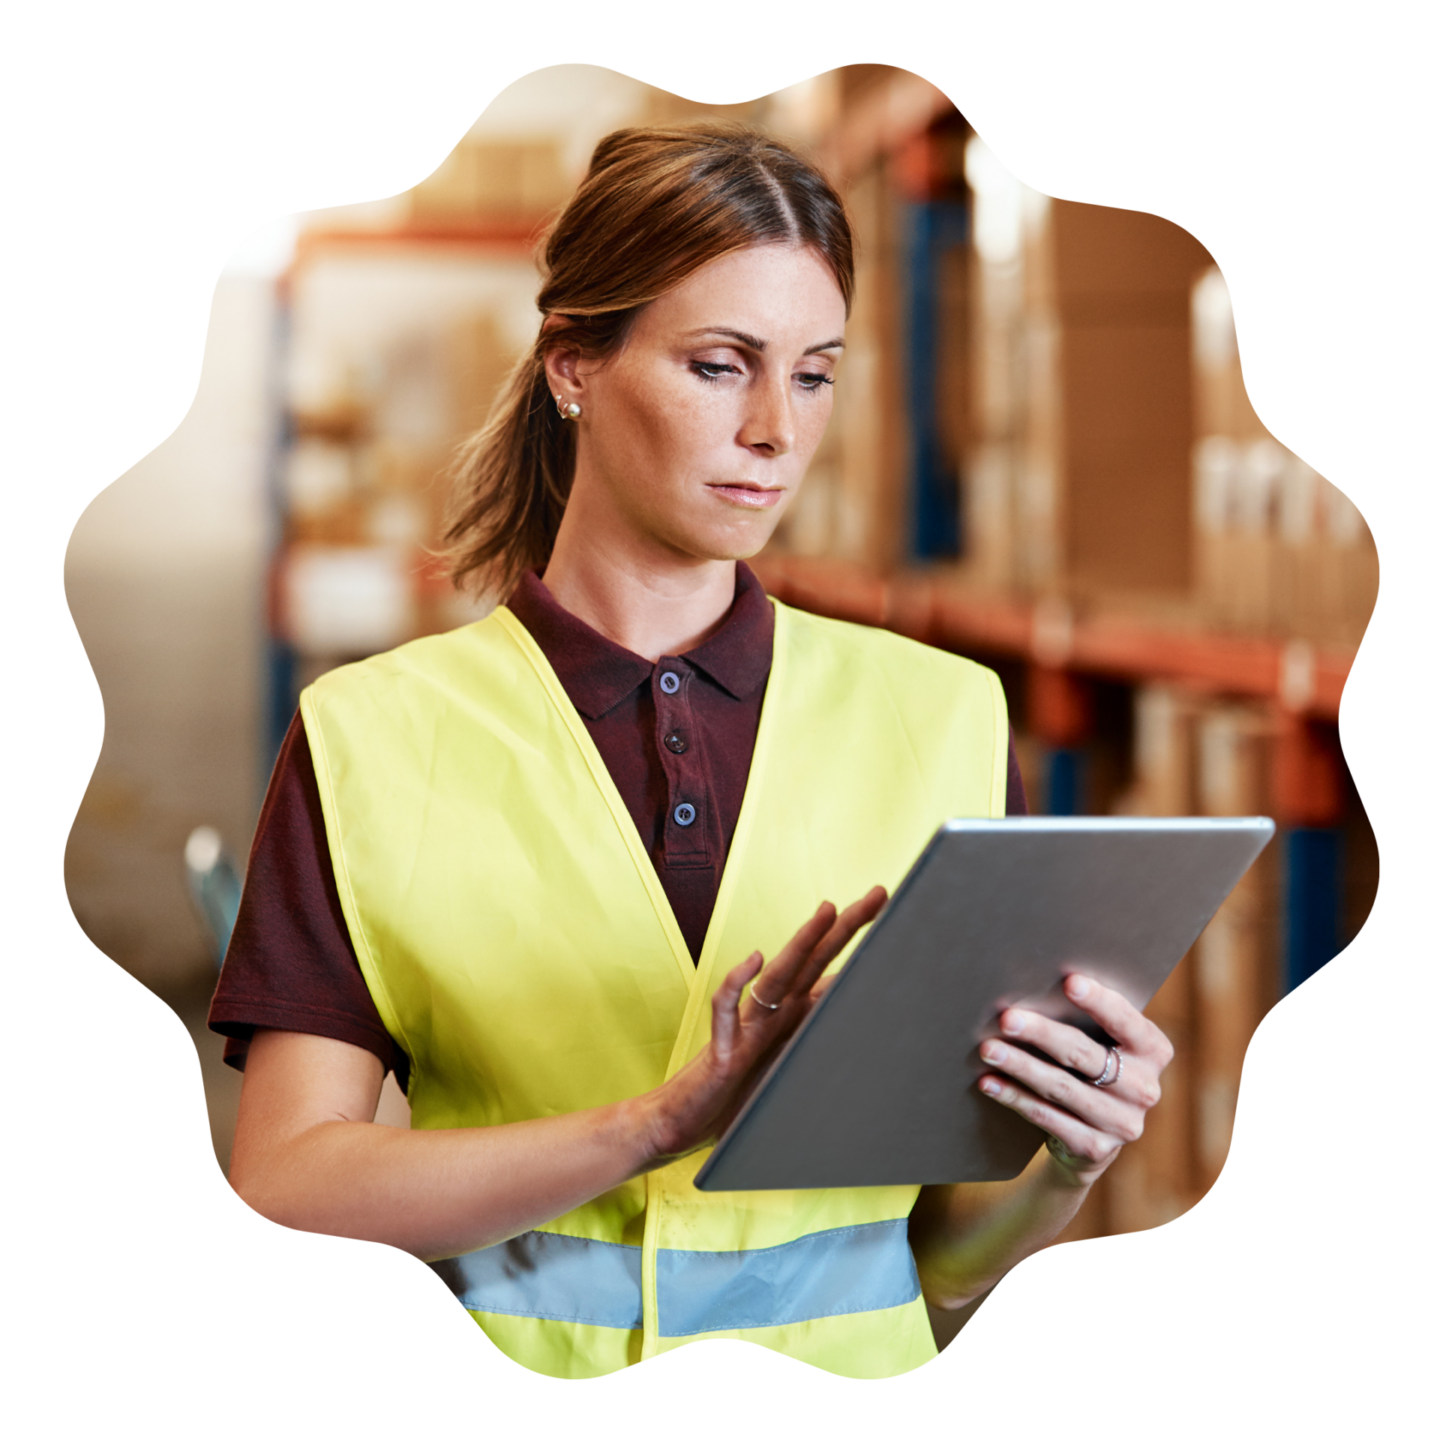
(550, 1277)
(833, 1272)
(593, 1282)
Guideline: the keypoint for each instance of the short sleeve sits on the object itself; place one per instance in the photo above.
(291, 964)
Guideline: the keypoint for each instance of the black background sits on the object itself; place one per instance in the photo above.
(151, 172)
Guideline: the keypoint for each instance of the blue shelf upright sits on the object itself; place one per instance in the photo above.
(933, 227)
(1313, 859)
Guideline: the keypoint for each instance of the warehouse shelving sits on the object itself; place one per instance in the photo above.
(1147, 628)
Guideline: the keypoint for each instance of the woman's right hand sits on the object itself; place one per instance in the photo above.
(308, 1155)
(695, 1105)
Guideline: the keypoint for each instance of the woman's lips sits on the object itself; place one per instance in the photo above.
(751, 497)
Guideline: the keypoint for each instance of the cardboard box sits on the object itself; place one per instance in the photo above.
(1165, 750)
(1122, 284)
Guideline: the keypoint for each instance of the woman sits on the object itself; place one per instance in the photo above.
(534, 864)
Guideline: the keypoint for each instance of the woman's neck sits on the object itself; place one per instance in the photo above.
(651, 604)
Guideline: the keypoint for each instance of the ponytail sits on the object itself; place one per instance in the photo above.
(512, 479)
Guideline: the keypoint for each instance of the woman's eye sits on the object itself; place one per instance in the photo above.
(719, 369)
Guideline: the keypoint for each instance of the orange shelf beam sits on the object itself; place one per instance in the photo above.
(1295, 676)
(515, 235)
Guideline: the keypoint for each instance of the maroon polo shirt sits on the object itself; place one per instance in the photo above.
(676, 735)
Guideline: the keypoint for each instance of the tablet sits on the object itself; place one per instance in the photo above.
(877, 1085)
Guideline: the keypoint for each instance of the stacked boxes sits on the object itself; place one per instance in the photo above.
(1009, 375)
(1121, 293)
(1079, 479)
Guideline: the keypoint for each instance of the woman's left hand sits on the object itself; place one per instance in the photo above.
(1088, 1124)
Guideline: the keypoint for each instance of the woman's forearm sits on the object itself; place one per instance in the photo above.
(307, 1154)
(438, 1193)
(965, 1237)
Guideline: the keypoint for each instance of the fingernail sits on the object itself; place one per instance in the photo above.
(1079, 987)
(1012, 1024)
(991, 1086)
(993, 1054)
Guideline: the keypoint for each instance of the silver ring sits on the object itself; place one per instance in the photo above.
(1105, 1078)
(761, 1003)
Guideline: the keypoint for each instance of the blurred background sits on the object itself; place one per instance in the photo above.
(1042, 455)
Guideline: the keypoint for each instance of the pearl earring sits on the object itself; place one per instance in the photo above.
(567, 412)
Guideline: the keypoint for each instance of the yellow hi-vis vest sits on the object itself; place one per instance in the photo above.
(520, 949)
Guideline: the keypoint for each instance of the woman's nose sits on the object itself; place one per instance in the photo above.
(770, 419)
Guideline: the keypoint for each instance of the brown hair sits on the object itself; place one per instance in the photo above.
(656, 204)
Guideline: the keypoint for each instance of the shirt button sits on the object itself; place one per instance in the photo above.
(677, 742)
(669, 681)
(684, 814)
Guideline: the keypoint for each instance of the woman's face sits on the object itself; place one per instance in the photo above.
(695, 436)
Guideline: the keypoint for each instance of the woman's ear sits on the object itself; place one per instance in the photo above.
(562, 364)
(560, 370)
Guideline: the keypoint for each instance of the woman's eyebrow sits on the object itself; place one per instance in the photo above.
(753, 342)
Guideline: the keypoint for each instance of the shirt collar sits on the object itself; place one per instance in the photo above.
(597, 674)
